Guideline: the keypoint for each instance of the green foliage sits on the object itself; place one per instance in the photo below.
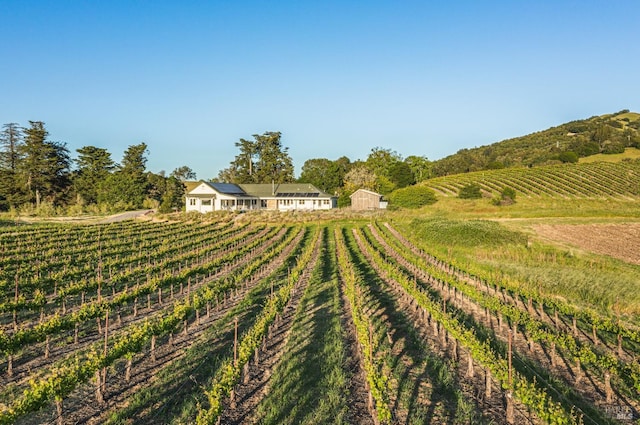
(127, 186)
(508, 193)
(470, 191)
(263, 160)
(420, 167)
(344, 200)
(183, 173)
(172, 198)
(507, 197)
(401, 175)
(613, 147)
(469, 233)
(44, 166)
(412, 197)
(94, 166)
(568, 156)
(325, 174)
(584, 137)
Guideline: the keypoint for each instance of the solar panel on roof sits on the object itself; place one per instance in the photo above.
(297, 195)
(228, 188)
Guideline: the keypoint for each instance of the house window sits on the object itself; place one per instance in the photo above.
(206, 202)
(301, 202)
(326, 202)
(192, 201)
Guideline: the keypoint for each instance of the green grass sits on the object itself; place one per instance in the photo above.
(470, 233)
(310, 386)
(505, 253)
(629, 153)
(540, 208)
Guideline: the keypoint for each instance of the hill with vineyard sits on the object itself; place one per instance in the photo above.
(604, 134)
(584, 180)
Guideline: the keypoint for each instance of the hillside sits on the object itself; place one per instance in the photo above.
(605, 134)
(585, 180)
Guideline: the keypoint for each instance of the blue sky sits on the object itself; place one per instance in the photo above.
(337, 78)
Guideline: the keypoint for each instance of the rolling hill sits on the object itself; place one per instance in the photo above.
(605, 134)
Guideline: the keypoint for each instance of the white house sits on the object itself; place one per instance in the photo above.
(206, 197)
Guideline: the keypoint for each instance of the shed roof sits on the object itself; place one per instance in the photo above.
(370, 192)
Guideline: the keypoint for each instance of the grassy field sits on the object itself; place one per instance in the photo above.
(629, 153)
(491, 238)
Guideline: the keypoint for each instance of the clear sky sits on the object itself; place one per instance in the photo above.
(337, 78)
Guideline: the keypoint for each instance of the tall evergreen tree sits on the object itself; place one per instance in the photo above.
(44, 168)
(128, 185)
(10, 142)
(94, 166)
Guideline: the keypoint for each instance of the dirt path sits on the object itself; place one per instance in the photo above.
(129, 215)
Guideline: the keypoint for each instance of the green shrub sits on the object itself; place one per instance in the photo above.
(613, 148)
(506, 197)
(509, 193)
(465, 233)
(569, 156)
(412, 197)
(470, 191)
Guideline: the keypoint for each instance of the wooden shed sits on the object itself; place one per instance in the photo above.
(363, 199)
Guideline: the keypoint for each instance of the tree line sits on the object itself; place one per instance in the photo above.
(39, 176)
(265, 160)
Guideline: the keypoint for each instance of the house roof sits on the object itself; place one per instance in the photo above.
(228, 188)
(190, 185)
(282, 190)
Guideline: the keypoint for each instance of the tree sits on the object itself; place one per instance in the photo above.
(10, 143)
(359, 177)
(325, 174)
(380, 161)
(44, 167)
(128, 185)
(263, 160)
(183, 173)
(420, 167)
(390, 171)
(172, 198)
(274, 163)
(94, 166)
(401, 175)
